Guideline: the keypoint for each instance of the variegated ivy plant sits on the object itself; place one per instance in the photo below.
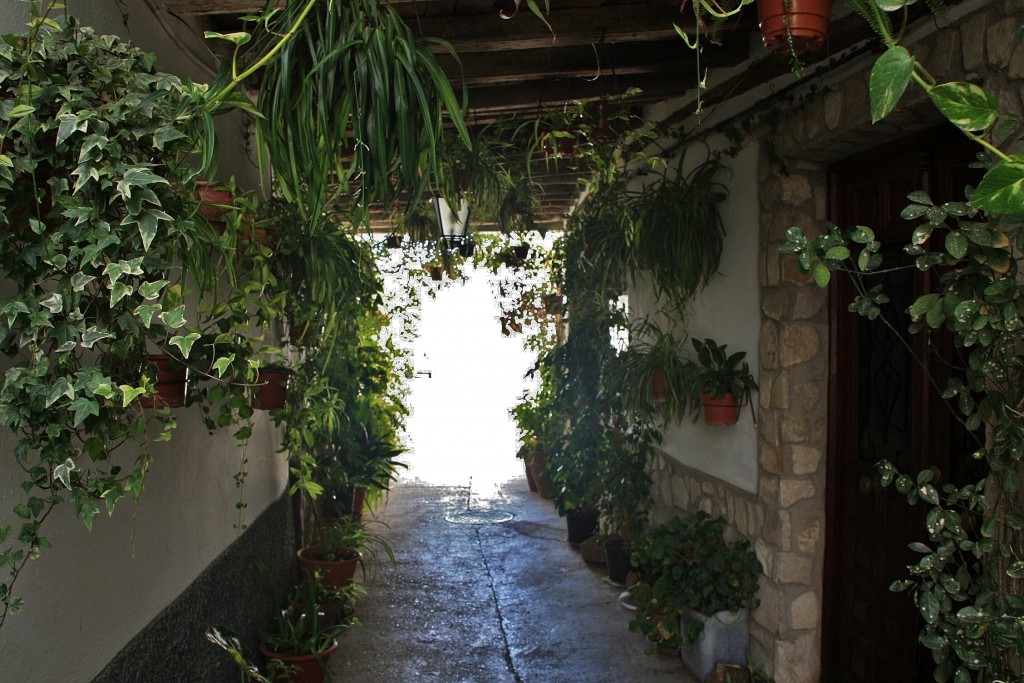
(100, 244)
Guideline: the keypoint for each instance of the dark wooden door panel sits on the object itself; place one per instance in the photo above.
(881, 406)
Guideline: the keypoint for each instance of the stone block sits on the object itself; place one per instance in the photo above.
(1000, 42)
(806, 459)
(780, 392)
(792, 568)
(795, 189)
(768, 489)
(804, 613)
(771, 614)
(808, 395)
(792, 491)
(799, 344)
(833, 102)
(808, 303)
(794, 428)
(796, 659)
(778, 530)
(773, 461)
(807, 540)
(944, 57)
(791, 273)
(769, 346)
(775, 303)
(972, 42)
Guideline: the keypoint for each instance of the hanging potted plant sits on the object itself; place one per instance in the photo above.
(722, 381)
(794, 27)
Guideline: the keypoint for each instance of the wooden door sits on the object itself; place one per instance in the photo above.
(882, 405)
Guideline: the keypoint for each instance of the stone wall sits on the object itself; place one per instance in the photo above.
(786, 519)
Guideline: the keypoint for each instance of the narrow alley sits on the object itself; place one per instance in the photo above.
(489, 591)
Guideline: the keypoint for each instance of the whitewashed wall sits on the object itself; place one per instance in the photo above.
(727, 311)
(89, 595)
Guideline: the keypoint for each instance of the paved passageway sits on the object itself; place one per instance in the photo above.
(476, 599)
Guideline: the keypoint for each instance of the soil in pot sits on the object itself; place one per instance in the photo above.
(336, 569)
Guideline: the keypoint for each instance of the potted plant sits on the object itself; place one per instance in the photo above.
(652, 374)
(794, 27)
(695, 589)
(722, 381)
(299, 642)
(679, 234)
(337, 548)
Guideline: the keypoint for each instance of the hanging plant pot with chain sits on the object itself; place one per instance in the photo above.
(797, 26)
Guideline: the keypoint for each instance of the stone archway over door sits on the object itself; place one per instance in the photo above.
(882, 406)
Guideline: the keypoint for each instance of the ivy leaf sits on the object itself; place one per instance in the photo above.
(129, 394)
(1002, 189)
(222, 364)
(145, 313)
(151, 290)
(1016, 570)
(889, 78)
(174, 317)
(119, 291)
(83, 408)
(93, 335)
(63, 472)
(138, 176)
(62, 387)
(967, 106)
(79, 280)
(53, 303)
(185, 342)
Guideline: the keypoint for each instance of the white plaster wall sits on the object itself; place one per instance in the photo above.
(727, 310)
(92, 592)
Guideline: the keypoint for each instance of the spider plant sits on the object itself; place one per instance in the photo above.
(353, 106)
(679, 232)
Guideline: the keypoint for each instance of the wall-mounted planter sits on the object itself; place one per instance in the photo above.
(271, 389)
(214, 202)
(805, 21)
(170, 384)
(658, 387)
(721, 410)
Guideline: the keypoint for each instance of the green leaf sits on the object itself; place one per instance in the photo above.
(1016, 570)
(93, 335)
(129, 394)
(62, 387)
(822, 274)
(222, 364)
(236, 38)
(175, 317)
(151, 290)
(1002, 189)
(145, 313)
(119, 291)
(889, 78)
(956, 245)
(967, 106)
(84, 407)
(185, 342)
(63, 472)
(20, 110)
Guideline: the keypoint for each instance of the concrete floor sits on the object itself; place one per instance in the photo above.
(476, 599)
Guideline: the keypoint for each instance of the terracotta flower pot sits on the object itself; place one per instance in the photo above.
(335, 573)
(658, 387)
(807, 24)
(214, 202)
(271, 388)
(539, 469)
(722, 410)
(170, 384)
(309, 669)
